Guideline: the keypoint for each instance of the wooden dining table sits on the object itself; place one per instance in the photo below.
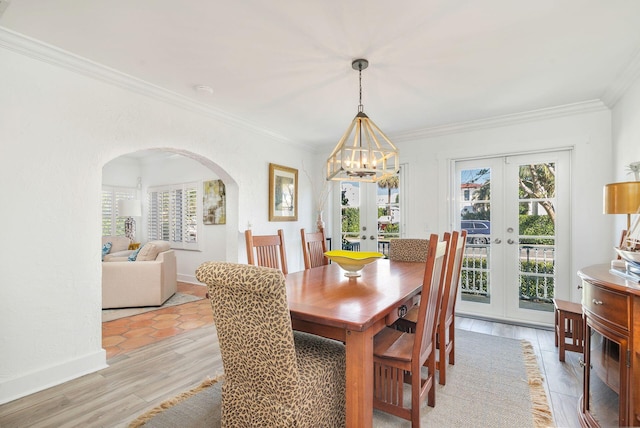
(323, 301)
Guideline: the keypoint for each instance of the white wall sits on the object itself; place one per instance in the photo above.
(58, 128)
(122, 172)
(626, 144)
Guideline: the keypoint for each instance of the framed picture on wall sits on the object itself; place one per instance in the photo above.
(283, 193)
(214, 202)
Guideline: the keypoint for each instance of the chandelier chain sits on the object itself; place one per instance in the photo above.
(360, 107)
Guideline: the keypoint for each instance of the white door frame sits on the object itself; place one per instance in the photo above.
(505, 303)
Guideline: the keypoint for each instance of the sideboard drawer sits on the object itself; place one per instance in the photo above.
(606, 304)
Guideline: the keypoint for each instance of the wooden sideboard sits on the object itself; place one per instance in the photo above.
(611, 360)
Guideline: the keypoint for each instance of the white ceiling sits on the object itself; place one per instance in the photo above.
(285, 65)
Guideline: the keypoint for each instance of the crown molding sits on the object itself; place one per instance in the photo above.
(44, 52)
(505, 120)
(41, 51)
(623, 81)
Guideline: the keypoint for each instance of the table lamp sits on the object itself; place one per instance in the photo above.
(622, 198)
(129, 208)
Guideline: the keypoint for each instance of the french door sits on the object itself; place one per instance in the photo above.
(516, 210)
(369, 213)
(358, 219)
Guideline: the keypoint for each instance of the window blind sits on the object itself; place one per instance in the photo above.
(173, 215)
(112, 224)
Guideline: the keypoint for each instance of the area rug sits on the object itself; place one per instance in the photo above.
(176, 299)
(495, 382)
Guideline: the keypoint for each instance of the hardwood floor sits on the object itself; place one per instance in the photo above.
(142, 378)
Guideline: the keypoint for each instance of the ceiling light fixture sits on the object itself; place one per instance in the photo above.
(363, 153)
(204, 88)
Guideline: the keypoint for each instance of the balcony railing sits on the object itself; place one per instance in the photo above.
(536, 270)
(474, 278)
(354, 245)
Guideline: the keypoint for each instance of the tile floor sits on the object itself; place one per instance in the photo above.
(126, 334)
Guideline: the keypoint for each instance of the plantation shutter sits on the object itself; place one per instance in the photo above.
(191, 215)
(107, 210)
(175, 221)
(153, 214)
(112, 224)
(173, 215)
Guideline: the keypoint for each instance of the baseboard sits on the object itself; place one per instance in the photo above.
(21, 386)
(189, 279)
(503, 321)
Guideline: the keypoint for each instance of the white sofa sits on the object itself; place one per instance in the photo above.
(148, 281)
(119, 247)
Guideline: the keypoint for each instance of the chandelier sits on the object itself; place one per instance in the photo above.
(363, 153)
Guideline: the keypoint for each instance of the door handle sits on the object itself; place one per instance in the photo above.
(510, 241)
(372, 237)
(364, 237)
(498, 241)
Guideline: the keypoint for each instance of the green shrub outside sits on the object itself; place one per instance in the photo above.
(474, 278)
(537, 225)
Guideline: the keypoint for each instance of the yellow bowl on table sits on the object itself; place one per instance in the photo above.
(352, 261)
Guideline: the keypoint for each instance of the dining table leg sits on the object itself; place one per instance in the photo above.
(359, 354)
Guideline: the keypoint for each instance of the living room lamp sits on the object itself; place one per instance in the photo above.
(129, 208)
(363, 153)
(622, 198)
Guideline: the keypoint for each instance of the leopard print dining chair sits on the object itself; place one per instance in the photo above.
(274, 377)
(408, 249)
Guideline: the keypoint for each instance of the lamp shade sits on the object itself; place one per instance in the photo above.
(129, 208)
(622, 198)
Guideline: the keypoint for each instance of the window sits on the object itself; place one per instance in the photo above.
(111, 223)
(173, 215)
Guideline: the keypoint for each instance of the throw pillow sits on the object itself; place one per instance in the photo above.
(150, 250)
(105, 249)
(132, 256)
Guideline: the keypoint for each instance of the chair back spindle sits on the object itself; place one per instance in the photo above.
(314, 245)
(267, 250)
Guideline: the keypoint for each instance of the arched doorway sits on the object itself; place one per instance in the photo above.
(139, 173)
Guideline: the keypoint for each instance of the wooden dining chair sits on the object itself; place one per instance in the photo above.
(398, 356)
(267, 250)
(409, 250)
(273, 376)
(314, 245)
(445, 336)
(446, 332)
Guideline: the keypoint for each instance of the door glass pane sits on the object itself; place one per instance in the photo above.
(537, 213)
(604, 380)
(475, 218)
(350, 224)
(388, 205)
